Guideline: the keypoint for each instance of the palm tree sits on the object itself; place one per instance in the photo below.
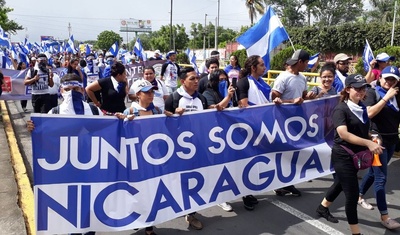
(254, 7)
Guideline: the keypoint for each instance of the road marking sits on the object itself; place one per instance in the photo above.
(308, 219)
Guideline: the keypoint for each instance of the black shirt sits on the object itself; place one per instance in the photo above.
(203, 84)
(112, 100)
(342, 115)
(387, 121)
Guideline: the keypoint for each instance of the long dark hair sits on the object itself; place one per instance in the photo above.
(69, 68)
(214, 79)
(248, 64)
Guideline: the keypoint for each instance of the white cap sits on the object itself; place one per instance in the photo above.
(142, 85)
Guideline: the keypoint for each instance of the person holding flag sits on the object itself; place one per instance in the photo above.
(377, 65)
(170, 72)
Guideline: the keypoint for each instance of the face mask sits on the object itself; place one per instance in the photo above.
(223, 88)
(76, 98)
(42, 66)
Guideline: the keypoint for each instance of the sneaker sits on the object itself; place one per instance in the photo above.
(290, 190)
(365, 204)
(252, 199)
(390, 224)
(324, 212)
(226, 207)
(247, 203)
(194, 222)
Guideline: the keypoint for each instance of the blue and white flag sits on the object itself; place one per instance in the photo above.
(88, 51)
(313, 60)
(138, 49)
(264, 36)
(368, 56)
(70, 47)
(5, 61)
(192, 59)
(4, 40)
(114, 49)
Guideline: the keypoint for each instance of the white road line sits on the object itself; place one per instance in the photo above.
(310, 220)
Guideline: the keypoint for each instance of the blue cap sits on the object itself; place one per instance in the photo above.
(170, 53)
(391, 71)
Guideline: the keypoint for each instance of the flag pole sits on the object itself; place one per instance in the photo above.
(394, 22)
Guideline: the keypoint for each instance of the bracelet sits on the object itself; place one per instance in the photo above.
(384, 100)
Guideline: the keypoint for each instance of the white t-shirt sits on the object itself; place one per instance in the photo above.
(56, 79)
(41, 86)
(171, 75)
(290, 85)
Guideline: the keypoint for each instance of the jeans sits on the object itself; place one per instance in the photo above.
(41, 103)
(378, 174)
(346, 180)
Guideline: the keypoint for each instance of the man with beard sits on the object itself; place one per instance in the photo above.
(342, 62)
(40, 78)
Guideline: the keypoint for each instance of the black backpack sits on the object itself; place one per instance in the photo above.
(56, 110)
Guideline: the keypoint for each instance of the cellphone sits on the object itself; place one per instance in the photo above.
(234, 80)
(34, 73)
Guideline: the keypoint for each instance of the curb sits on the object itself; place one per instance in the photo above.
(25, 192)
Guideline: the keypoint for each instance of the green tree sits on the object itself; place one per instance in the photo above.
(160, 39)
(383, 11)
(254, 7)
(6, 24)
(290, 11)
(333, 12)
(106, 39)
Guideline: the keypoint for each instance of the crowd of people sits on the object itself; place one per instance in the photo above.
(367, 105)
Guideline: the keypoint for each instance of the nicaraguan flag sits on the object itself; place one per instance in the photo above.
(192, 59)
(70, 47)
(114, 49)
(4, 40)
(138, 49)
(14, 53)
(368, 56)
(5, 60)
(264, 36)
(313, 60)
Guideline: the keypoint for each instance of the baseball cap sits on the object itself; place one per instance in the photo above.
(142, 85)
(341, 57)
(384, 57)
(298, 55)
(109, 54)
(391, 71)
(171, 53)
(157, 52)
(356, 81)
(33, 58)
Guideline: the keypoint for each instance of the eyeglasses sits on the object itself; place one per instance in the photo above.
(344, 63)
(360, 89)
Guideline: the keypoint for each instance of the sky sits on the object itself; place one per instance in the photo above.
(88, 18)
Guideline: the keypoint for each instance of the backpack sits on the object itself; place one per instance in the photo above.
(176, 97)
(56, 110)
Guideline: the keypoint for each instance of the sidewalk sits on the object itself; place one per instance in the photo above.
(11, 218)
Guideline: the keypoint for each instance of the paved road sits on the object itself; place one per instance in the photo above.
(273, 215)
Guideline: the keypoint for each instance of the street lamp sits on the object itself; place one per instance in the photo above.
(204, 36)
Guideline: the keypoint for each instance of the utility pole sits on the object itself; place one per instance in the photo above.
(204, 36)
(216, 28)
(69, 30)
(170, 27)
